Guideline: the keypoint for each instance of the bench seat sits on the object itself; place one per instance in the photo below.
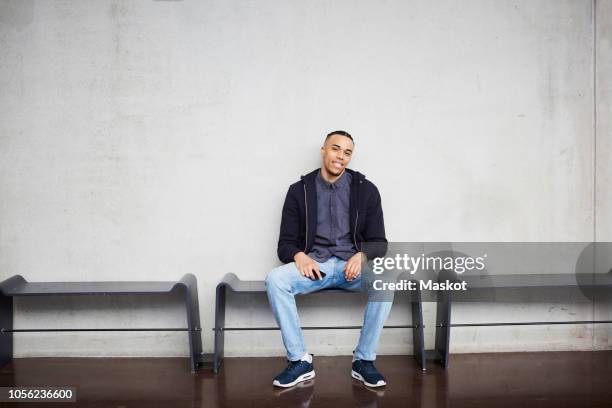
(484, 288)
(232, 283)
(17, 286)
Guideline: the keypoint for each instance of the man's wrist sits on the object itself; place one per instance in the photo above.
(297, 254)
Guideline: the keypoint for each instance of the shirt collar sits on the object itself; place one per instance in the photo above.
(335, 185)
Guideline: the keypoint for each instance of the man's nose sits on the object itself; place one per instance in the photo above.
(340, 156)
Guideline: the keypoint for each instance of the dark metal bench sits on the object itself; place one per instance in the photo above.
(232, 283)
(484, 286)
(18, 286)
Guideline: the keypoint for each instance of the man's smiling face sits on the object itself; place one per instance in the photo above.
(336, 154)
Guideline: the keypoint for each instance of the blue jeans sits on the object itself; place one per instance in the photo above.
(284, 282)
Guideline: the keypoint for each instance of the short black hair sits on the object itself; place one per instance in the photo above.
(341, 133)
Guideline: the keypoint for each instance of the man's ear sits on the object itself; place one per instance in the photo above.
(322, 151)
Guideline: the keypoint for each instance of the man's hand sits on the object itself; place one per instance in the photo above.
(352, 269)
(307, 266)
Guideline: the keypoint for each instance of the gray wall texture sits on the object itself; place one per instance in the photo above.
(141, 140)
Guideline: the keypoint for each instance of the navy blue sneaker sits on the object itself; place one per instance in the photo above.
(364, 371)
(296, 371)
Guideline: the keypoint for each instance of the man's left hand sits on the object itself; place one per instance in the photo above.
(352, 269)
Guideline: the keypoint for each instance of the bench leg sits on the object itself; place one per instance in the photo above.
(219, 327)
(6, 323)
(193, 321)
(418, 337)
(443, 327)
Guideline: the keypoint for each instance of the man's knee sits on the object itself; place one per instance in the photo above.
(277, 279)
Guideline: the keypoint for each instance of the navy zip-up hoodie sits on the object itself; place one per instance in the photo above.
(299, 219)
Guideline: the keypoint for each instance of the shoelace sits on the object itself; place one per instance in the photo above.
(368, 367)
(294, 365)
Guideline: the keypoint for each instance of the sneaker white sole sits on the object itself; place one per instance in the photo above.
(303, 377)
(358, 376)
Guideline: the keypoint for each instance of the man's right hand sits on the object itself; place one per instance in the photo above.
(307, 266)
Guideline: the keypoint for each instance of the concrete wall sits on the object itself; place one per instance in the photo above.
(603, 334)
(148, 139)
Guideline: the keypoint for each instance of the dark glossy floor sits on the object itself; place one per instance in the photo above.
(552, 379)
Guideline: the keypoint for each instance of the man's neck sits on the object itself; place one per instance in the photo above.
(330, 178)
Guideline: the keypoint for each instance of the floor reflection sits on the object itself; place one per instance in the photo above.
(366, 397)
(298, 396)
(544, 379)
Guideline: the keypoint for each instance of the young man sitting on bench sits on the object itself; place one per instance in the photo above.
(327, 217)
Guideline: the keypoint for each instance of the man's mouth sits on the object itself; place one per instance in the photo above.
(337, 165)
